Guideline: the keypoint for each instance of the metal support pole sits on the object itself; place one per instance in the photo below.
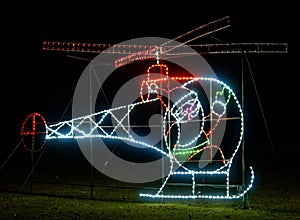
(32, 151)
(245, 197)
(32, 167)
(162, 137)
(91, 145)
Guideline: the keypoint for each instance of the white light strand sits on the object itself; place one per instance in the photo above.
(183, 111)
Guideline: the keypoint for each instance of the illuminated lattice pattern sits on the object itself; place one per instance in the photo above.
(183, 111)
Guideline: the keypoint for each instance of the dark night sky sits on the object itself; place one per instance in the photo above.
(34, 80)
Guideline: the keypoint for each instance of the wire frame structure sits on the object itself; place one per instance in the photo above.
(189, 158)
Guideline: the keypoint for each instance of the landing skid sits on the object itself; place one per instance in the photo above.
(193, 195)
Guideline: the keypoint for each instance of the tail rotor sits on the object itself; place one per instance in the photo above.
(33, 132)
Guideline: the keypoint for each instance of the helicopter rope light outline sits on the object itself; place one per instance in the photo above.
(145, 52)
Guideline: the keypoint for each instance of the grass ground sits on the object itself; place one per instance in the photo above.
(270, 200)
(263, 204)
(275, 195)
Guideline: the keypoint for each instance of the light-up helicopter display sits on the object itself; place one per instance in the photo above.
(184, 102)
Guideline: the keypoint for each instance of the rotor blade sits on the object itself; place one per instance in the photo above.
(231, 48)
(199, 48)
(94, 48)
(183, 39)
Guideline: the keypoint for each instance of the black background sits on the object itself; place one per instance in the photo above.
(40, 81)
